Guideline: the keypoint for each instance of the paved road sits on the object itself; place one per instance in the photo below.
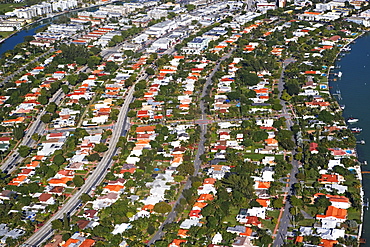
(94, 179)
(197, 162)
(36, 127)
(9, 77)
(286, 218)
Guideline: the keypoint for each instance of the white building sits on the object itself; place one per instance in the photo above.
(157, 13)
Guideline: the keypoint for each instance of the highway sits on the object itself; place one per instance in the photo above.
(94, 179)
(38, 127)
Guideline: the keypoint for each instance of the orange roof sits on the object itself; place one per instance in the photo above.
(19, 179)
(177, 160)
(145, 129)
(263, 202)
(263, 185)
(182, 233)
(38, 157)
(271, 141)
(114, 188)
(205, 197)
(328, 178)
(34, 164)
(70, 242)
(148, 207)
(248, 232)
(299, 239)
(143, 142)
(18, 119)
(339, 199)
(328, 243)
(334, 212)
(62, 180)
(312, 13)
(87, 243)
(209, 181)
(200, 204)
(177, 242)
(217, 167)
(179, 57)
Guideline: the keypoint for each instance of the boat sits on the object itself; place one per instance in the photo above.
(362, 142)
(352, 120)
(346, 49)
(340, 74)
(342, 107)
(356, 130)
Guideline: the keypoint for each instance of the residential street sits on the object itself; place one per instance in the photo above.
(286, 217)
(197, 162)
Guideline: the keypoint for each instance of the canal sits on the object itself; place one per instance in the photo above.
(17, 38)
(354, 89)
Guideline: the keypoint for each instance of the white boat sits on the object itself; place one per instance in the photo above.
(356, 130)
(339, 74)
(352, 120)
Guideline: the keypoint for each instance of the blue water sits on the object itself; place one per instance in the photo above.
(10, 43)
(355, 92)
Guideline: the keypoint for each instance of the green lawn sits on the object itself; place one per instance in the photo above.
(230, 218)
(271, 223)
(311, 210)
(306, 222)
(353, 214)
(5, 34)
(7, 7)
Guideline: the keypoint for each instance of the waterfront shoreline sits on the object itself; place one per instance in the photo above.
(24, 28)
(358, 168)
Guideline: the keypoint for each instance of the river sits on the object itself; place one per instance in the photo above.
(354, 87)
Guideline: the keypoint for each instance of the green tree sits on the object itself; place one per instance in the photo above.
(278, 202)
(111, 66)
(18, 132)
(35, 137)
(46, 118)
(247, 78)
(78, 181)
(190, 7)
(59, 159)
(57, 224)
(72, 79)
(42, 99)
(101, 147)
(93, 157)
(24, 151)
(85, 197)
(51, 107)
(150, 71)
(326, 116)
(93, 61)
(162, 208)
